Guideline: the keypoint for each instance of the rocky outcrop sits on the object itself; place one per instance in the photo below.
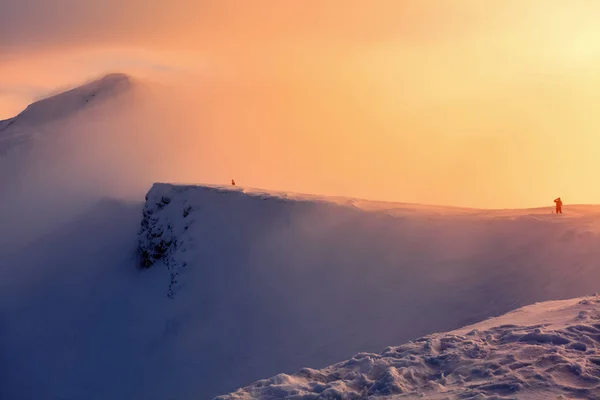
(166, 219)
(156, 239)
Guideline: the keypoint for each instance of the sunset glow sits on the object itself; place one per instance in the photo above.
(492, 104)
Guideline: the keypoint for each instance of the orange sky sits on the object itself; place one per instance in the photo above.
(467, 102)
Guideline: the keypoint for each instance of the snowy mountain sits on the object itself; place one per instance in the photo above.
(64, 152)
(202, 290)
(301, 280)
(66, 103)
(545, 351)
(17, 130)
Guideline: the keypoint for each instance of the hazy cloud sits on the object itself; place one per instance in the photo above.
(457, 102)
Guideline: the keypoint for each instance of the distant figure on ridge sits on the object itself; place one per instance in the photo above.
(233, 183)
(558, 202)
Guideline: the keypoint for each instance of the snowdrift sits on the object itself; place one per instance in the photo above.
(545, 351)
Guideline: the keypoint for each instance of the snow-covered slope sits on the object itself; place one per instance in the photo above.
(544, 351)
(72, 311)
(61, 151)
(232, 285)
(37, 116)
(67, 103)
(286, 281)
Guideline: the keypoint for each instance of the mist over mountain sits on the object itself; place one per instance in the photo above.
(115, 286)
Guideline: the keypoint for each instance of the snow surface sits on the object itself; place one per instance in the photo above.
(310, 279)
(40, 117)
(67, 103)
(545, 351)
(255, 284)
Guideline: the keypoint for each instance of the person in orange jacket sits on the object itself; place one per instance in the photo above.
(559, 203)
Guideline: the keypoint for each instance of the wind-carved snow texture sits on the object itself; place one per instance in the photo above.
(508, 361)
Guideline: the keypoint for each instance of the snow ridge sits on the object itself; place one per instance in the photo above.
(66, 103)
(262, 282)
(501, 362)
(40, 117)
(256, 283)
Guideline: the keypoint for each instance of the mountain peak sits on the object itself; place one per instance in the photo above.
(71, 101)
(109, 82)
